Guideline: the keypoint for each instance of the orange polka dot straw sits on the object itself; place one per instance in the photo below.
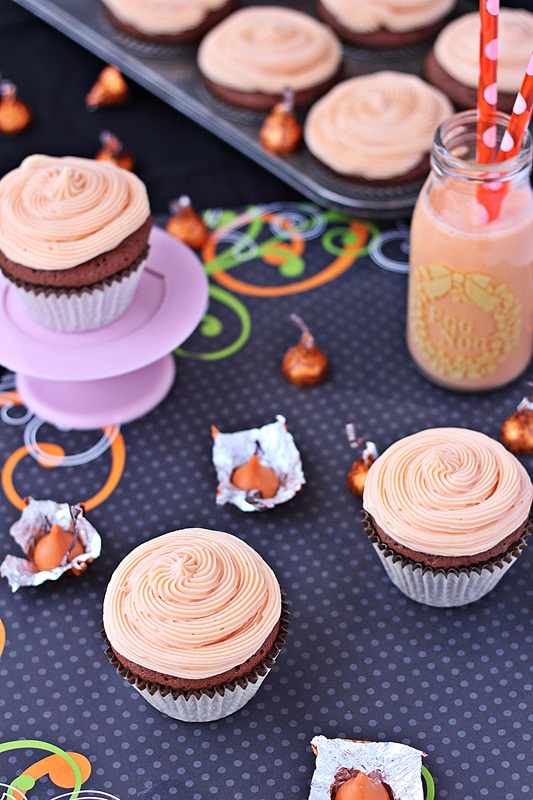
(520, 117)
(487, 96)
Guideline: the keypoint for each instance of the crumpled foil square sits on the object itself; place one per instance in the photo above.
(398, 765)
(231, 450)
(36, 519)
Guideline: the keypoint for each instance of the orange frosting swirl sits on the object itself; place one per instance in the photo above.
(456, 48)
(57, 213)
(375, 126)
(448, 491)
(393, 15)
(192, 603)
(163, 16)
(269, 48)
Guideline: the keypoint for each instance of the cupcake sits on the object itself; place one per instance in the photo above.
(166, 21)
(194, 620)
(73, 239)
(447, 510)
(376, 128)
(385, 23)
(453, 63)
(258, 51)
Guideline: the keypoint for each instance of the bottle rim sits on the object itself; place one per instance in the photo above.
(457, 136)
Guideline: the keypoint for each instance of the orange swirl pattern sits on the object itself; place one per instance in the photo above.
(448, 491)
(191, 603)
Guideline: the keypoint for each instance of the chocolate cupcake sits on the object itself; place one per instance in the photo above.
(195, 620)
(385, 23)
(257, 52)
(167, 21)
(376, 128)
(73, 239)
(453, 63)
(447, 510)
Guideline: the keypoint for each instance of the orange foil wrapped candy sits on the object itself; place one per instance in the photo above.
(186, 225)
(516, 433)
(110, 89)
(56, 539)
(281, 133)
(113, 150)
(250, 463)
(305, 364)
(359, 469)
(359, 770)
(15, 116)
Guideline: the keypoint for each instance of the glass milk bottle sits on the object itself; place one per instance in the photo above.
(470, 302)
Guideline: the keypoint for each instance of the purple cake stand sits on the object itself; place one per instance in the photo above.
(116, 373)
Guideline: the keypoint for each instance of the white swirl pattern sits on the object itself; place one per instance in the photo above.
(58, 213)
(448, 491)
(269, 48)
(457, 48)
(393, 15)
(376, 126)
(191, 603)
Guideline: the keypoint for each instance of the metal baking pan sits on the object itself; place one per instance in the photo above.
(170, 72)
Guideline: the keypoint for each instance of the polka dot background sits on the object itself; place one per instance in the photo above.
(362, 660)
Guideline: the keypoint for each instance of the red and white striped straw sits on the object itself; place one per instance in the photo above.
(520, 117)
(487, 95)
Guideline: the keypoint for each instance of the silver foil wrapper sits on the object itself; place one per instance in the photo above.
(231, 450)
(35, 522)
(397, 765)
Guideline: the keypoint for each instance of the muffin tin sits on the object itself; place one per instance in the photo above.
(170, 72)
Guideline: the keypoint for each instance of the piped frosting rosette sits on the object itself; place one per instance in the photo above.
(162, 17)
(448, 492)
(58, 213)
(268, 48)
(393, 15)
(193, 604)
(375, 126)
(456, 48)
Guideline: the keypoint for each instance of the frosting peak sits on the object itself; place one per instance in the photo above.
(393, 15)
(448, 491)
(58, 213)
(191, 603)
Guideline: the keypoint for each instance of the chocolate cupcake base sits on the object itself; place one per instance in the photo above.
(441, 587)
(210, 703)
(461, 95)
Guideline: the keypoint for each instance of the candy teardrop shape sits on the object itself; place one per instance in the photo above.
(362, 787)
(51, 548)
(256, 476)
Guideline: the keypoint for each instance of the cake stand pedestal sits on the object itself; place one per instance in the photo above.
(117, 373)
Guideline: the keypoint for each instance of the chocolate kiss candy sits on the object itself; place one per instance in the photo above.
(52, 548)
(362, 787)
(256, 476)
(359, 469)
(113, 151)
(304, 364)
(110, 89)
(15, 115)
(517, 431)
(186, 225)
(280, 132)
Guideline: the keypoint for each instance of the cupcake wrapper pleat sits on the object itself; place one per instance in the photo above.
(444, 588)
(206, 705)
(76, 311)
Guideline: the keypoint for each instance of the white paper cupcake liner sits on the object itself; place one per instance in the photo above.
(444, 588)
(205, 705)
(85, 310)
